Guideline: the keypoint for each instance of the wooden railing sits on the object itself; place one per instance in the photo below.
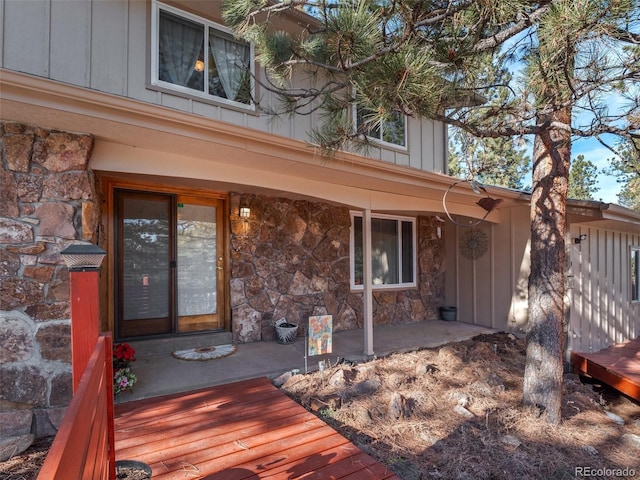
(84, 445)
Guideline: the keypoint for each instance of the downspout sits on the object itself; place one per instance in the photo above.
(366, 281)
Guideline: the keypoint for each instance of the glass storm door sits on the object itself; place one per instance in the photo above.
(200, 263)
(169, 264)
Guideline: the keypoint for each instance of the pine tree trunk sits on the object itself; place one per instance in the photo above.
(545, 337)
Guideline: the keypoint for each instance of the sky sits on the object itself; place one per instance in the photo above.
(596, 153)
(592, 150)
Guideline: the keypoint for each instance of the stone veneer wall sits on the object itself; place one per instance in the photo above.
(47, 201)
(291, 259)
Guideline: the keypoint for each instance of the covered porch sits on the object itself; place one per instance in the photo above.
(160, 373)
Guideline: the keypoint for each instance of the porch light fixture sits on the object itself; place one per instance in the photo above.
(245, 212)
(581, 238)
(487, 203)
(83, 257)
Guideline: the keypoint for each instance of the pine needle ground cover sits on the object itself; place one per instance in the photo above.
(456, 413)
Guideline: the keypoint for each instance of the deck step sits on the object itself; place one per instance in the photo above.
(159, 346)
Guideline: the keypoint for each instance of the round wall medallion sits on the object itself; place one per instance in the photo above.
(474, 244)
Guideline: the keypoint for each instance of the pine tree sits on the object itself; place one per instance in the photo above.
(492, 161)
(582, 179)
(444, 60)
(626, 168)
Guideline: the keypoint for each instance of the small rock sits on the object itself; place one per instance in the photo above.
(461, 398)
(282, 379)
(16, 422)
(365, 370)
(338, 380)
(590, 449)
(428, 438)
(460, 410)
(631, 440)
(424, 368)
(394, 409)
(368, 386)
(512, 337)
(12, 446)
(511, 440)
(362, 415)
(612, 416)
(398, 407)
(331, 402)
(447, 352)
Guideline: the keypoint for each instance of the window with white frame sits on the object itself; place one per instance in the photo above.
(393, 252)
(198, 57)
(635, 274)
(393, 131)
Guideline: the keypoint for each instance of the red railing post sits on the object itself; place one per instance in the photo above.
(84, 262)
(85, 319)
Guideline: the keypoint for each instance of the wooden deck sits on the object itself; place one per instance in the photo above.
(617, 366)
(243, 430)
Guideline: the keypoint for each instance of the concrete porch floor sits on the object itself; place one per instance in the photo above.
(160, 373)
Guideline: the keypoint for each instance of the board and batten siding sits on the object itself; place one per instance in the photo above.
(104, 45)
(601, 310)
(491, 290)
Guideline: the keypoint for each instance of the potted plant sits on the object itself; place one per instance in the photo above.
(286, 331)
(123, 378)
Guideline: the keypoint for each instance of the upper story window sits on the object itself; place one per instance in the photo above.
(635, 274)
(195, 56)
(393, 252)
(393, 131)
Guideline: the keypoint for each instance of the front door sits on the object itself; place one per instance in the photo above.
(169, 264)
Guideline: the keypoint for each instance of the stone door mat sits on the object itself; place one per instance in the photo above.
(202, 354)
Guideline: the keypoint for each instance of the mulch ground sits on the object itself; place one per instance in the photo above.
(456, 412)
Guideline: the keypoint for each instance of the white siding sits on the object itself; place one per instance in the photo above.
(110, 45)
(70, 47)
(491, 290)
(104, 45)
(26, 36)
(600, 295)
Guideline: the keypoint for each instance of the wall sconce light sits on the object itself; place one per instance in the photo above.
(580, 238)
(245, 212)
(199, 66)
(83, 257)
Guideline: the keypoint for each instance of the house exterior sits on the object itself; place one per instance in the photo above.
(601, 300)
(129, 124)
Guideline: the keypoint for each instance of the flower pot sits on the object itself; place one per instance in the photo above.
(286, 331)
(448, 314)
